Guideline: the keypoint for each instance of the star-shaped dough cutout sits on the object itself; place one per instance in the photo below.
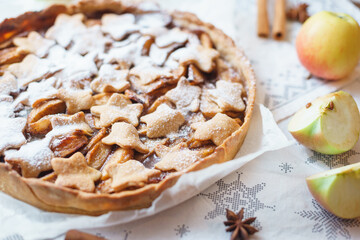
(90, 40)
(120, 155)
(154, 31)
(76, 100)
(157, 84)
(154, 20)
(177, 158)
(33, 157)
(7, 107)
(65, 28)
(8, 84)
(125, 55)
(129, 54)
(126, 136)
(159, 55)
(216, 129)
(227, 95)
(74, 173)
(32, 69)
(201, 56)
(38, 92)
(163, 121)
(63, 124)
(76, 69)
(149, 73)
(175, 35)
(11, 133)
(185, 96)
(34, 43)
(73, 63)
(110, 80)
(130, 174)
(118, 108)
(118, 26)
(207, 106)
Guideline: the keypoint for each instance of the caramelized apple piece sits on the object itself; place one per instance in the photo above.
(97, 155)
(47, 108)
(65, 145)
(11, 55)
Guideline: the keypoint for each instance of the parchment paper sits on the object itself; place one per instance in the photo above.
(32, 223)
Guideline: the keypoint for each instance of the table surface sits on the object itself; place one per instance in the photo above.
(271, 187)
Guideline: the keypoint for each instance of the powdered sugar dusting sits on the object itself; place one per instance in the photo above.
(8, 84)
(32, 69)
(76, 69)
(227, 95)
(35, 155)
(11, 133)
(6, 106)
(118, 26)
(34, 43)
(38, 90)
(163, 121)
(154, 19)
(185, 96)
(145, 47)
(65, 28)
(178, 159)
(110, 80)
(175, 35)
(89, 40)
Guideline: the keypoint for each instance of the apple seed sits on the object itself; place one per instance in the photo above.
(330, 106)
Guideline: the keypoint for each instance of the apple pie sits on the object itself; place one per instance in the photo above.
(105, 104)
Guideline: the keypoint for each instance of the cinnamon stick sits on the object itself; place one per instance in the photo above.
(77, 235)
(262, 19)
(279, 20)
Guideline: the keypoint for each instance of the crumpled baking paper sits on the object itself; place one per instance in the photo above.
(19, 218)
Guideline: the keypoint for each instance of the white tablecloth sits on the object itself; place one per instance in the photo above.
(271, 187)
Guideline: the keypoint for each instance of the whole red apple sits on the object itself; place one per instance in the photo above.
(328, 45)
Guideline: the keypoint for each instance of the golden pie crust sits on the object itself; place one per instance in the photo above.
(57, 198)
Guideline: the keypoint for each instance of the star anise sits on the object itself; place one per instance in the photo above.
(241, 228)
(298, 13)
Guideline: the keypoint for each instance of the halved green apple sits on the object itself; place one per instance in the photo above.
(338, 190)
(329, 125)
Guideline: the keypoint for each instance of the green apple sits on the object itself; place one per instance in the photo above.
(328, 45)
(338, 190)
(329, 125)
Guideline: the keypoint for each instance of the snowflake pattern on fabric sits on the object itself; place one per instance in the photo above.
(127, 233)
(234, 196)
(291, 90)
(13, 237)
(182, 230)
(286, 167)
(99, 235)
(327, 223)
(332, 160)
